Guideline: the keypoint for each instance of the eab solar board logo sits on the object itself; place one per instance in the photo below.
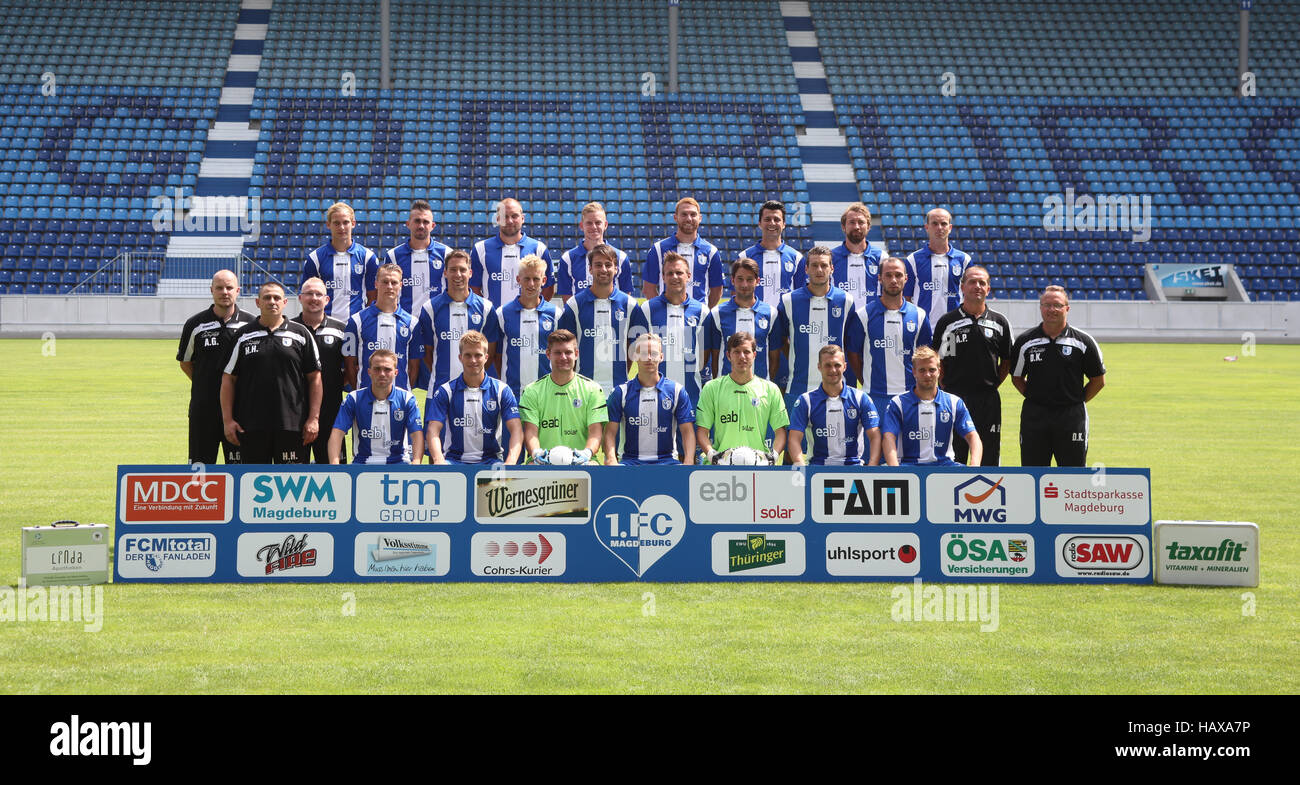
(758, 553)
(167, 555)
(293, 497)
(731, 497)
(200, 497)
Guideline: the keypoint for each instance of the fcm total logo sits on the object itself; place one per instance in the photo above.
(639, 534)
(288, 497)
(866, 498)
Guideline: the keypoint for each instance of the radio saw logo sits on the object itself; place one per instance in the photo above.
(639, 535)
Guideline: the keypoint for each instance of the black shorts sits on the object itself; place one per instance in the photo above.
(318, 451)
(986, 412)
(273, 447)
(205, 436)
(1048, 432)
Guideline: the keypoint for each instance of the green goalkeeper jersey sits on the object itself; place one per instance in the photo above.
(563, 412)
(740, 414)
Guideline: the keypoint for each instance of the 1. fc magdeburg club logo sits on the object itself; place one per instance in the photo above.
(639, 535)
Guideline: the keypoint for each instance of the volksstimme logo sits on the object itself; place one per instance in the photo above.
(866, 498)
(402, 554)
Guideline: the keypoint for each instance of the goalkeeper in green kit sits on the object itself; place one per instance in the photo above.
(563, 412)
(739, 408)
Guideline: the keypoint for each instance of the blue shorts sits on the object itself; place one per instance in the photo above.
(661, 462)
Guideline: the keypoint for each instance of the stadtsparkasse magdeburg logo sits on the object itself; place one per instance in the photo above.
(198, 497)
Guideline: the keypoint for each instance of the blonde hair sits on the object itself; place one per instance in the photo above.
(340, 207)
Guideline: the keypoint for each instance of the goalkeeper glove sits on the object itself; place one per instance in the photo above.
(539, 456)
(581, 456)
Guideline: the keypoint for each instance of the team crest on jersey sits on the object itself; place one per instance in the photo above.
(577, 403)
(988, 332)
(701, 259)
(618, 315)
(287, 341)
(851, 413)
(436, 264)
(873, 268)
(753, 402)
(762, 324)
(398, 414)
(789, 267)
(328, 339)
(546, 324)
(691, 321)
(835, 313)
(405, 332)
(911, 326)
(475, 318)
(490, 404)
(666, 402)
(1065, 350)
(358, 268)
(944, 416)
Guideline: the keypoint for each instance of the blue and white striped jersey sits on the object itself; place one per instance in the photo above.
(856, 273)
(601, 326)
(934, 280)
(441, 323)
(371, 330)
(810, 322)
(520, 335)
(421, 273)
(680, 327)
(572, 275)
(835, 427)
(705, 259)
(923, 430)
(885, 340)
(648, 419)
(347, 276)
(473, 419)
(380, 426)
(780, 271)
(727, 319)
(494, 265)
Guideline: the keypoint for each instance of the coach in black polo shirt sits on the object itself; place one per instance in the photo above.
(205, 347)
(271, 391)
(1050, 362)
(974, 345)
(328, 332)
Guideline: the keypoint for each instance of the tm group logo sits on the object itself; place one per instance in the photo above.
(866, 498)
(407, 497)
(167, 555)
(966, 555)
(639, 534)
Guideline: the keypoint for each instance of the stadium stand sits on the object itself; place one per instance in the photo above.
(1049, 97)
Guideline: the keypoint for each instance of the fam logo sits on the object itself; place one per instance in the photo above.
(288, 497)
(873, 553)
(200, 497)
(167, 555)
(409, 497)
(863, 497)
(281, 555)
(958, 497)
(401, 554)
(730, 497)
(639, 534)
(1102, 556)
(518, 554)
(966, 554)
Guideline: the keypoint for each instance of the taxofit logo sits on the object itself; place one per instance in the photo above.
(200, 497)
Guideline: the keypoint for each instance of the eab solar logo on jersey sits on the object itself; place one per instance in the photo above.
(201, 497)
(639, 534)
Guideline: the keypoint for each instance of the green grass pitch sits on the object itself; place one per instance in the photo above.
(1222, 440)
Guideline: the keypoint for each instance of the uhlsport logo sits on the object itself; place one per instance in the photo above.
(1102, 556)
(968, 554)
(863, 497)
(408, 497)
(958, 497)
(731, 497)
(402, 554)
(745, 554)
(200, 497)
(286, 555)
(289, 497)
(639, 534)
(172, 555)
(518, 554)
(873, 553)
